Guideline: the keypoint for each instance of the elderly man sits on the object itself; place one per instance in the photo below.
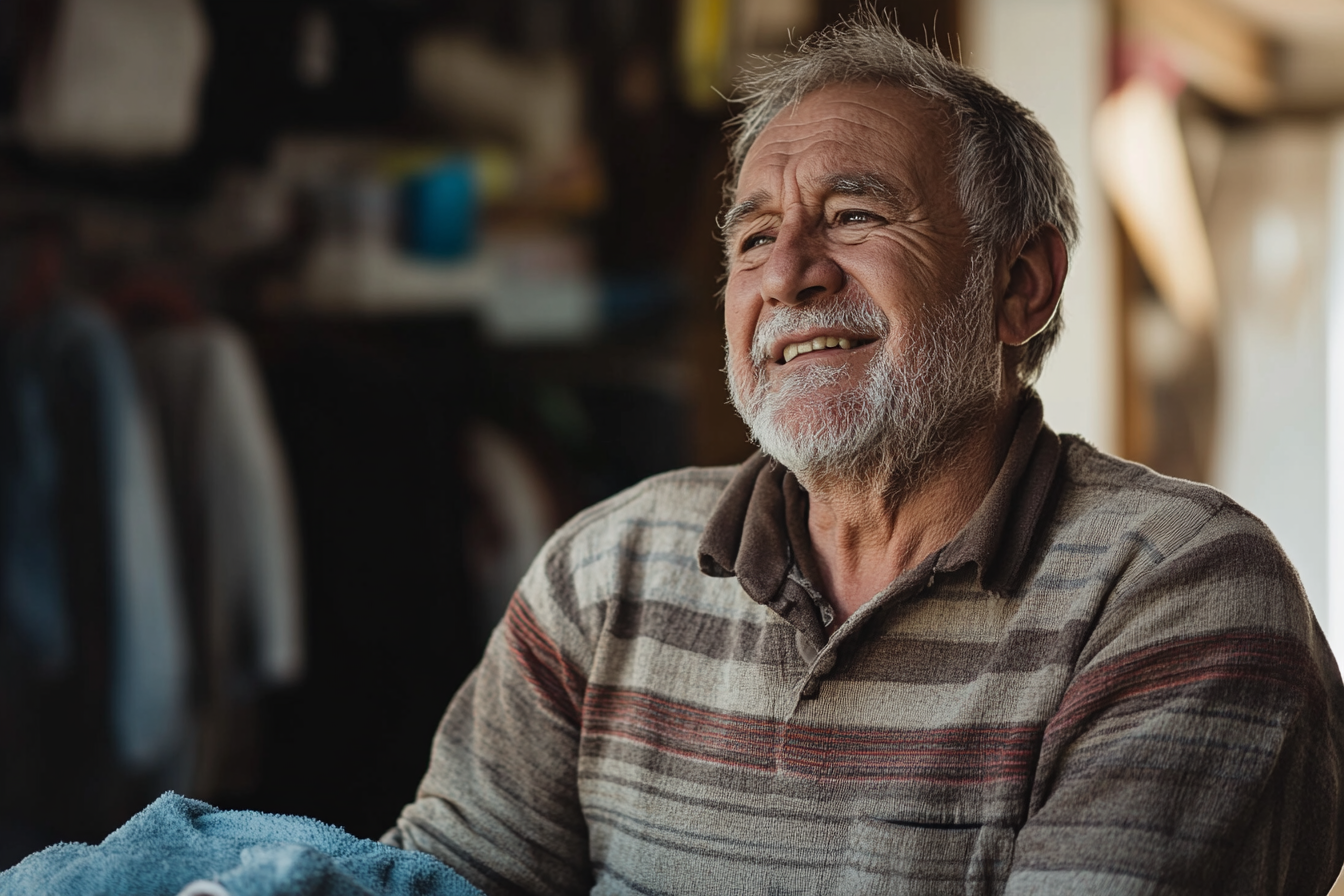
(919, 643)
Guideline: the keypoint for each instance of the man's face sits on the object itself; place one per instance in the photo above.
(859, 321)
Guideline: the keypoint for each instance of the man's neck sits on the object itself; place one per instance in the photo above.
(862, 538)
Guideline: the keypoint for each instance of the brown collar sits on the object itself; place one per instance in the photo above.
(749, 533)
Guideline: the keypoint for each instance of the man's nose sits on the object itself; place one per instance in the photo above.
(800, 268)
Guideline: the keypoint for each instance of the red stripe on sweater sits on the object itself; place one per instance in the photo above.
(978, 755)
(1231, 657)
(559, 682)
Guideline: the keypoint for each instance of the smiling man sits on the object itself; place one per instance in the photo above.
(919, 643)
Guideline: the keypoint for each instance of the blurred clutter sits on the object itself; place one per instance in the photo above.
(316, 318)
(1219, 147)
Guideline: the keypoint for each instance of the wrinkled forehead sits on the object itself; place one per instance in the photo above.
(865, 126)
(889, 132)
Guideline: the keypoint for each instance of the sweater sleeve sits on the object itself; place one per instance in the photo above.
(1197, 748)
(500, 800)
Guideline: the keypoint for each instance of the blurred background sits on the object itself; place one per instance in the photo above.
(318, 316)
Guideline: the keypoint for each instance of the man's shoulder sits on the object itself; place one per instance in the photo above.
(686, 497)
(644, 537)
(1129, 495)
(1147, 530)
(664, 514)
(1087, 466)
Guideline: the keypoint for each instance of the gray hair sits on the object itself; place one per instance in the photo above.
(1010, 177)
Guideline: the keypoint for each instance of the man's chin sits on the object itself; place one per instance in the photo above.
(803, 438)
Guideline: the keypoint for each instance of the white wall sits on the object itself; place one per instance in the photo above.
(1051, 56)
(1270, 228)
(1333, 617)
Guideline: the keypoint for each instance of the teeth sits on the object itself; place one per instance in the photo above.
(820, 342)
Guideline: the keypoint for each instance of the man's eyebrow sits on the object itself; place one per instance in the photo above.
(735, 215)
(863, 183)
(860, 183)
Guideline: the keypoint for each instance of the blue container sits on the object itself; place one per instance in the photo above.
(439, 210)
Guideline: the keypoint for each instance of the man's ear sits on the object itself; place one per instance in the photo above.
(1035, 277)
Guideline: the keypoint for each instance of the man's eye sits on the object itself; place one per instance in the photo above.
(856, 216)
(756, 239)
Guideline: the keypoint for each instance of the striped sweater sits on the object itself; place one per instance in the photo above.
(1108, 682)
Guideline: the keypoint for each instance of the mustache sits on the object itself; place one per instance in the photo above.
(854, 312)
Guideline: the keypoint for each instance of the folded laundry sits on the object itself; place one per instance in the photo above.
(183, 847)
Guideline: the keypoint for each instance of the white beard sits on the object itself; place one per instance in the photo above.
(912, 402)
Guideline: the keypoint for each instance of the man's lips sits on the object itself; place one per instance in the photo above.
(790, 347)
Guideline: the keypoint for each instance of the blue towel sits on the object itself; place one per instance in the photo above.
(177, 841)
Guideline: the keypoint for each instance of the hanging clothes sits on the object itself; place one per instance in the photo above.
(234, 521)
(36, 624)
(94, 698)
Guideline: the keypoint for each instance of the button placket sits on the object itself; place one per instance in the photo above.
(820, 664)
